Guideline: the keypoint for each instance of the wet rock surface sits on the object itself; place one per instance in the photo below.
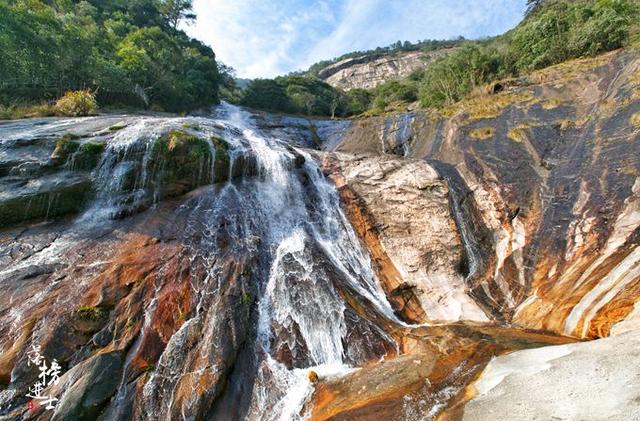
(545, 204)
(405, 217)
(216, 268)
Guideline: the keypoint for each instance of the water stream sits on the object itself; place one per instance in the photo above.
(276, 206)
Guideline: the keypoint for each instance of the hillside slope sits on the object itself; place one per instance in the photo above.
(369, 71)
(543, 183)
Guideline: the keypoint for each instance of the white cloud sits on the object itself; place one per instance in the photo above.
(268, 38)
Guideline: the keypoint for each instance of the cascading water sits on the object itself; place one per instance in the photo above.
(270, 206)
(298, 222)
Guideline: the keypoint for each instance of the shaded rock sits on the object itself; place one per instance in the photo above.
(222, 161)
(179, 162)
(65, 147)
(87, 387)
(42, 198)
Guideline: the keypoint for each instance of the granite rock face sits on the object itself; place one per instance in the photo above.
(547, 204)
(551, 383)
(370, 71)
(401, 210)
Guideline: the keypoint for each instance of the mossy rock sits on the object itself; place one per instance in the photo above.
(222, 163)
(180, 162)
(65, 147)
(91, 313)
(87, 156)
(192, 126)
(117, 127)
(51, 197)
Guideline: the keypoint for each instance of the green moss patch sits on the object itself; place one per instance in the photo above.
(88, 155)
(192, 126)
(179, 162)
(222, 163)
(482, 133)
(117, 127)
(91, 313)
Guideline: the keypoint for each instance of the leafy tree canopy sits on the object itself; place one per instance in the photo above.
(129, 52)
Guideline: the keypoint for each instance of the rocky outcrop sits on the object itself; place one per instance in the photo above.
(372, 70)
(546, 202)
(427, 381)
(401, 210)
(551, 383)
(214, 273)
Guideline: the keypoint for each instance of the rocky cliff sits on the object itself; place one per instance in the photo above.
(372, 70)
(544, 181)
(410, 266)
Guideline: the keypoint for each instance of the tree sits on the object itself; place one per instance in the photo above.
(266, 94)
(359, 101)
(176, 11)
(229, 89)
(112, 47)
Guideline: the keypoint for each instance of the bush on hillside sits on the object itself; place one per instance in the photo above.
(454, 76)
(558, 31)
(77, 103)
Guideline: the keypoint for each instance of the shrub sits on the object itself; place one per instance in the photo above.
(359, 101)
(91, 313)
(559, 30)
(77, 103)
(453, 77)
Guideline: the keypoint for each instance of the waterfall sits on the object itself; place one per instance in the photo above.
(273, 203)
(300, 223)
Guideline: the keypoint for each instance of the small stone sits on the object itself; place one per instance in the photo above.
(313, 377)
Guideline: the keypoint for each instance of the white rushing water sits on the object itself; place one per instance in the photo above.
(285, 210)
(298, 291)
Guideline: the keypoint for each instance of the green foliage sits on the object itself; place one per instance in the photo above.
(553, 31)
(297, 95)
(229, 89)
(21, 110)
(266, 94)
(246, 298)
(453, 77)
(359, 101)
(394, 91)
(129, 53)
(558, 30)
(176, 11)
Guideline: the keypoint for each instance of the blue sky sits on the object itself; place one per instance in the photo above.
(265, 38)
